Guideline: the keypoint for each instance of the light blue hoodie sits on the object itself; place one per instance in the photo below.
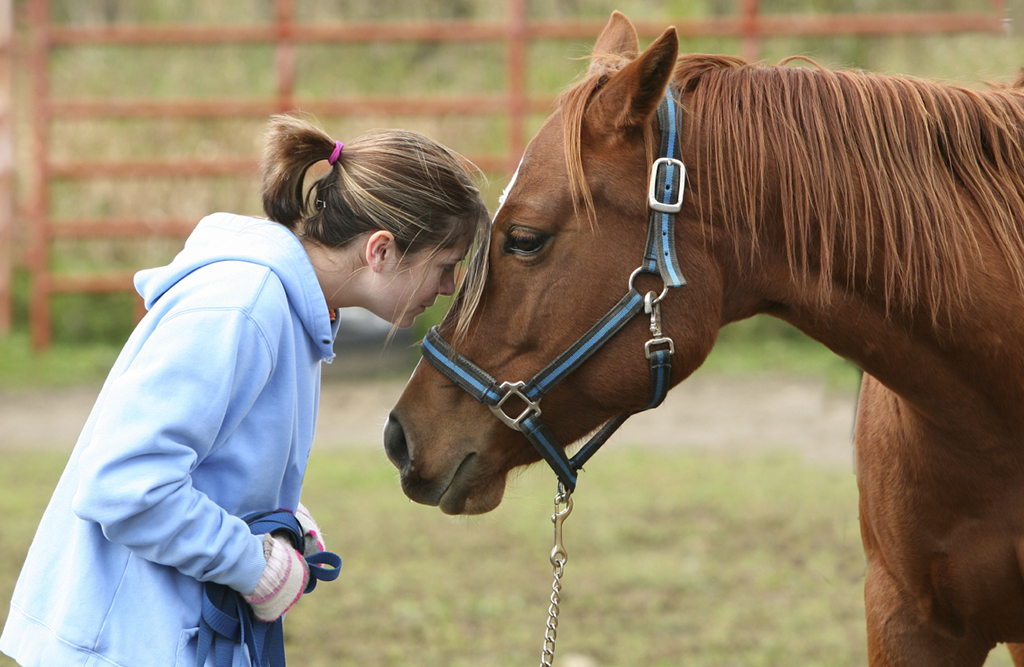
(207, 415)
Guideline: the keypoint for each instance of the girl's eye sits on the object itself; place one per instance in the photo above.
(524, 242)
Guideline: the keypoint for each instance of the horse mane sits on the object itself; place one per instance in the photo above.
(871, 173)
(886, 179)
(890, 177)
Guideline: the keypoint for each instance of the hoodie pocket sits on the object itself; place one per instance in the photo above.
(188, 642)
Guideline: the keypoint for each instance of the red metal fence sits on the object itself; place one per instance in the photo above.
(515, 31)
(6, 162)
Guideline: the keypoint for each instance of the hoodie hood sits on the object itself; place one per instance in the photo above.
(226, 237)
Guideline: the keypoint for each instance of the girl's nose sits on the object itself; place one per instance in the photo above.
(447, 286)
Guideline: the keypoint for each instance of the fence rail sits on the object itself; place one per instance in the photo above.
(515, 32)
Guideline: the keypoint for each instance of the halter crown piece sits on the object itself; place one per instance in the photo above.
(665, 199)
(336, 153)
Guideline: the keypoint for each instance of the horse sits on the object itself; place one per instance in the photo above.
(881, 215)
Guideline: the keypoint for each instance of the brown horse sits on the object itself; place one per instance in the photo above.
(882, 216)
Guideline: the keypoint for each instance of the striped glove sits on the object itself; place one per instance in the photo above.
(314, 539)
(283, 580)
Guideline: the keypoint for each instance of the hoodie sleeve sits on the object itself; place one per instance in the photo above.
(196, 375)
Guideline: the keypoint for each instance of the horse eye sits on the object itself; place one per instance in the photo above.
(524, 242)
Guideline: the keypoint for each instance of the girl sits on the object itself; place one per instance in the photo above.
(209, 412)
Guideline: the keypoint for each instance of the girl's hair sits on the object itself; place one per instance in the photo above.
(394, 180)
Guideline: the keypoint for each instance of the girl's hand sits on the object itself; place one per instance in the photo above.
(314, 539)
(283, 580)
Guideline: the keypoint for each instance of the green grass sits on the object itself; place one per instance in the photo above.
(675, 558)
(62, 365)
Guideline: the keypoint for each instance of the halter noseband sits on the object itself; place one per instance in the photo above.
(665, 198)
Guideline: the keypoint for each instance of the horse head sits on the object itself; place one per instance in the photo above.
(571, 229)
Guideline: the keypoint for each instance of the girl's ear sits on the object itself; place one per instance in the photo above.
(380, 250)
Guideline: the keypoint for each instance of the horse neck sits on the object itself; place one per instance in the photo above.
(896, 244)
(957, 362)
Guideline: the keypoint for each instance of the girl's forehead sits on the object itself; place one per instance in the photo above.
(442, 255)
(455, 253)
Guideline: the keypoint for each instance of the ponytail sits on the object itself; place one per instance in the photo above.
(394, 180)
(292, 146)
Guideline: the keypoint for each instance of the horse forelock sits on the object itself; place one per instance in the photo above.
(870, 173)
(572, 105)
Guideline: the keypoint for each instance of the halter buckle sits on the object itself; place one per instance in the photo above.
(659, 340)
(652, 190)
(515, 389)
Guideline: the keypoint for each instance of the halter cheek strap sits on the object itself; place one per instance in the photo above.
(665, 197)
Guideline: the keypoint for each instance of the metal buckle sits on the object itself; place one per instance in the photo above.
(652, 306)
(637, 271)
(659, 341)
(514, 389)
(652, 200)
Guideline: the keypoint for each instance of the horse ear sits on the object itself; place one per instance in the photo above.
(632, 94)
(618, 38)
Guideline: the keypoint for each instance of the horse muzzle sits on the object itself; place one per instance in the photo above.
(451, 484)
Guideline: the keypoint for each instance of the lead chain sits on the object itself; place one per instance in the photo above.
(563, 505)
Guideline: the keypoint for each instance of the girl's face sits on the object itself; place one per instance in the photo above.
(407, 288)
(375, 275)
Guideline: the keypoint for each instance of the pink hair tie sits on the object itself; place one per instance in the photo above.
(336, 154)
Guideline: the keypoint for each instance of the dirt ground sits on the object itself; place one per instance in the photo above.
(710, 412)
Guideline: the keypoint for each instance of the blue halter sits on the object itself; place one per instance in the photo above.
(665, 198)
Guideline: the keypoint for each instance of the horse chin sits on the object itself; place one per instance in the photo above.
(468, 494)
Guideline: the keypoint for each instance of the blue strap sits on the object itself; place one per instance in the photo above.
(584, 348)
(546, 445)
(220, 625)
(660, 255)
(460, 370)
(227, 620)
(323, 566)
(485, 389)
(590, 448)
(661, 376)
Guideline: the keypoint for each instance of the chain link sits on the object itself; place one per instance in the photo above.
(563, 505)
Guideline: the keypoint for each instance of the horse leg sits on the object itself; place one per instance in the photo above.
(1017, 653)
(898, 636)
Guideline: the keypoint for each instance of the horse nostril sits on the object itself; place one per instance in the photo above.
(394, 443)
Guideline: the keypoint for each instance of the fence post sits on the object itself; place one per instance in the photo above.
(39, 242)
(750, 42)
(284, 12)
(6, 164)
(515, 70)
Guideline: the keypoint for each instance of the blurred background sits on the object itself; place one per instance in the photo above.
(722, 528)
(124, 122)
